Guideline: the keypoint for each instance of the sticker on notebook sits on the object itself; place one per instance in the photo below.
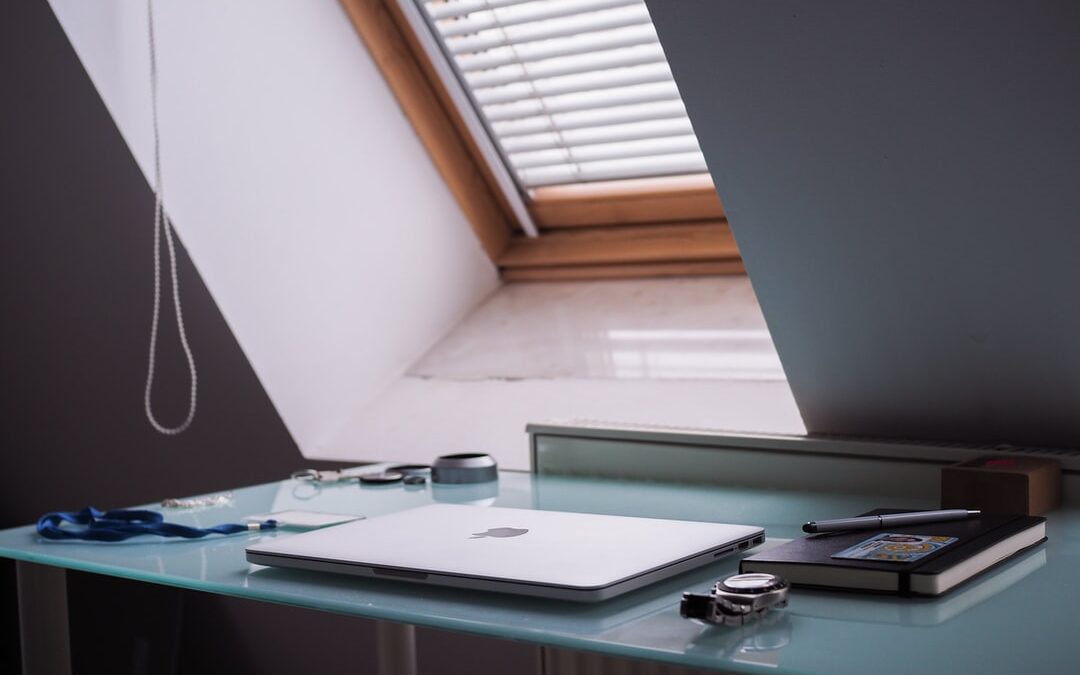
(901, 548)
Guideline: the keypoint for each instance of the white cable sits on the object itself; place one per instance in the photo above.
(161, 223)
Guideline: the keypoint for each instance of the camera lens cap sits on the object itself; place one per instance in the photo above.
(423, 470)
(382, 478)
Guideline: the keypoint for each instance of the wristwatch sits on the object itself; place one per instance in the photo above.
(736, 600)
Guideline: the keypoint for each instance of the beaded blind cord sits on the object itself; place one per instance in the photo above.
(162, 224)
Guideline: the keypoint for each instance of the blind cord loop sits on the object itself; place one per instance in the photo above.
(162, 224)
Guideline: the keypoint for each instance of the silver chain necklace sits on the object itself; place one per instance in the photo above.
(162, 224)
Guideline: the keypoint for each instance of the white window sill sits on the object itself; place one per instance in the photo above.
(680, 352)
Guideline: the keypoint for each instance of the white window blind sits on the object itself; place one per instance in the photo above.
(571, 90)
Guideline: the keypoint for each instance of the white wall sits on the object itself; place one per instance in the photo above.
(329, 241)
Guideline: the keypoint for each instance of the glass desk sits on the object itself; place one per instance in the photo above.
(1017, 618)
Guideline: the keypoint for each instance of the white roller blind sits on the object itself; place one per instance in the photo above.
(571, 90)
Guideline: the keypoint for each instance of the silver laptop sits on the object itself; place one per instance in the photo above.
(568, 556)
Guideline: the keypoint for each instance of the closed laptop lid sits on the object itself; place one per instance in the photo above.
(520, 545)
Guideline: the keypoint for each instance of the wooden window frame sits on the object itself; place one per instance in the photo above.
(647, 227)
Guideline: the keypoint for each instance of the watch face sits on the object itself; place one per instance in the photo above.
(751, 583)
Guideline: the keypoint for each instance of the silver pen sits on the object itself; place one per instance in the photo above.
(887, 520)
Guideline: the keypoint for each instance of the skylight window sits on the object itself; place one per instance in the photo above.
(570, 90)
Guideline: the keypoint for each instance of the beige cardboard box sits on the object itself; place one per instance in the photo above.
(997, 484)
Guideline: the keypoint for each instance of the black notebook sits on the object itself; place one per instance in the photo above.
(926, 559)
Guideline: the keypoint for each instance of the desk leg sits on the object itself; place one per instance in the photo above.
(43, 619)
(396, 648)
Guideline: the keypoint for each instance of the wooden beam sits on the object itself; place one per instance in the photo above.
(641, 200)
(705, 241)
(401, 65)
(455, 116)
(638, 271)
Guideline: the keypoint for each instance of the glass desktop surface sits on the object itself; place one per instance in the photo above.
(1017, 618)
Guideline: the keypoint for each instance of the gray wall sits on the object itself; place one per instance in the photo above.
(901, 180)
(75, 301)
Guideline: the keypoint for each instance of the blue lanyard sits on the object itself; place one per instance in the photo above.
(121, 524)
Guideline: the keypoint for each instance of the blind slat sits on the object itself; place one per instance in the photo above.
(501, 38)
(523, 109)
(639, 149)
(449, 10)
(595, 135)
(669, 165)
(663, 110)
(514, 73)
(531, 53)
(571, 90)
(626, 77)
(547, 12)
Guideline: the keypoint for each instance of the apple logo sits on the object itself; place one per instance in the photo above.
(500, 532)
